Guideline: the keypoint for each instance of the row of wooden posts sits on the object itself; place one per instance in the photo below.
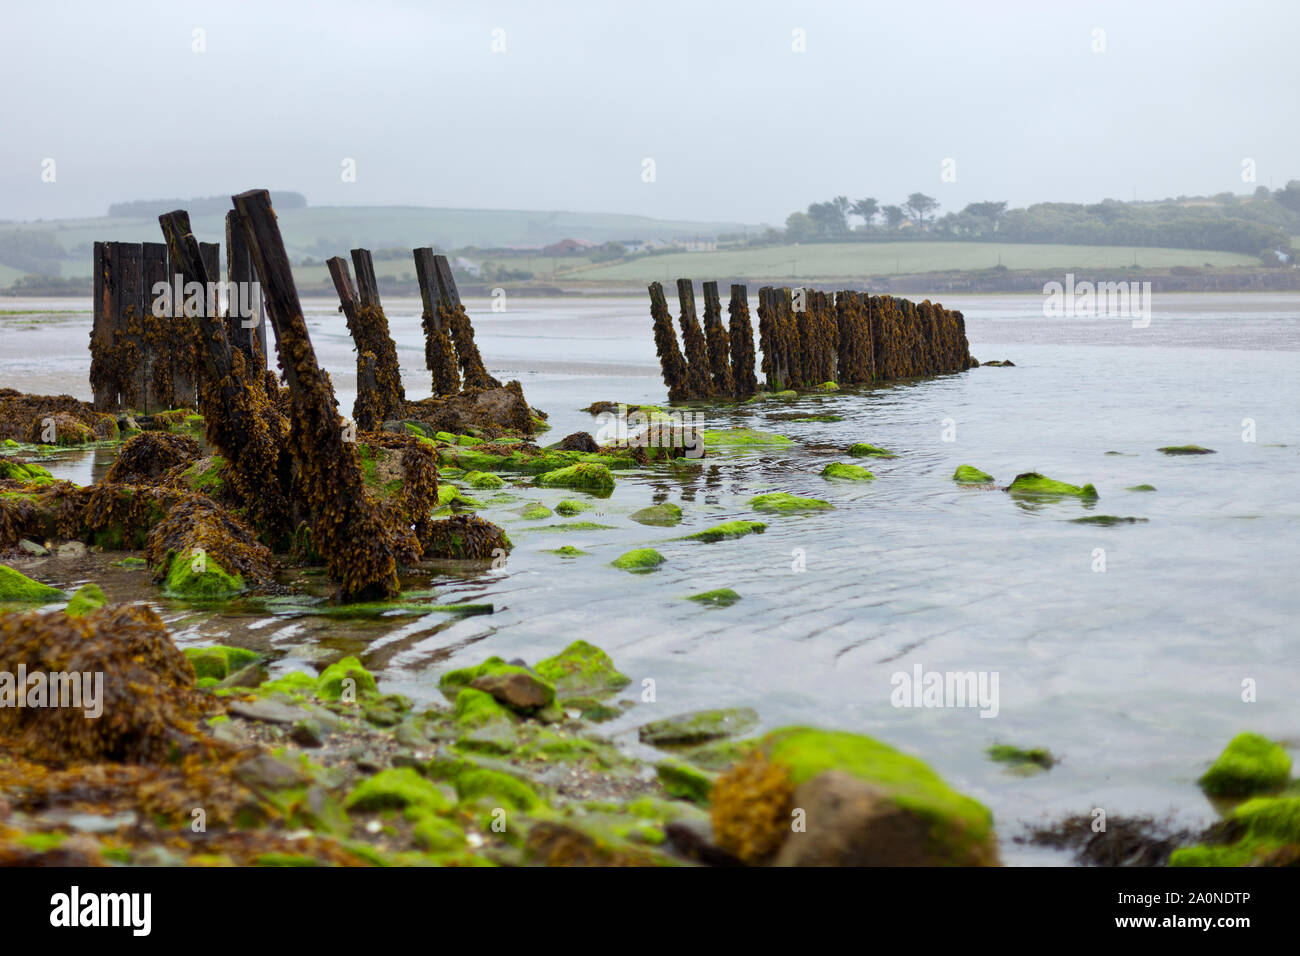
(146, 362)
(808, 338)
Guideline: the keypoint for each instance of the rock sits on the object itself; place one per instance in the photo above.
(266, 772)
(1032, 484)
(876, 806)
(398, 788)
(346, 679)
(89, 597)
(588, 476)
(34, 549)
(252, 675)
(783, 503)
(72, 550)
(18, 588)
(693, 839)
(568, 507)
(1020, 759)
(684, 781)
(1186, 450)
(578, 441)
(661, 515)
(381, 716)
(721, 597)
(970, 475)
(1107, 521)
(1250, 764)
(219, 660)
(698, 727)
(582, 670)
(265, 711)
(728, 529)
(864, 450)
(308, 733)
(638, 559)
(518, 689)
(839, 470)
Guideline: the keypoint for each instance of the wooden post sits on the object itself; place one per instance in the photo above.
(132, 385)
(157, 355)
(742, 343)
(247, 332)
(346, 527)
(693, 342)
(367, 285)
(715, 336)
(189, 259)
(439, 356)
(103, 380)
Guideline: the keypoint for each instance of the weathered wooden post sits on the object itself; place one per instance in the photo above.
(715, 334)
(346, 527)
(246, 323)
(372, 406)
(693, 342)
(130, 358)
(157, 370)
(456, 321)
(103, 334)
(671, 362)
(742, 343)
(439, 356)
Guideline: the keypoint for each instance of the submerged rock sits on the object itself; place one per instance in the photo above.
(864, 450)
(1186, 450)
(582, 670)
(1107, 521)
(568, 507)
(89, 597)
(663, 515)
(697, 727)
(739, 438)
(589, 476)
(1021, 759)
(721, 597)
(728, 529)
(781, 503)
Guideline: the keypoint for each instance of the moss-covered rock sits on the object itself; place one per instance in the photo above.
(1107, 521)
(739, 439)
(685, 781)
(568, 507)
(477, 709)
(782, 503)
(894, 809)
(1032, 484)
(491, 787)
(200, 578)
(398, 788)
(89, 597)
(589, 476)
(663, 515)
(582, 670)
(841, 471)
(18, 588)
(483, 480)
(331, 684)
(535, 511)
(1142, 487)
(970, 475)
(438, 834)
(28, 472)
(699, 726)
(568, 551)
(1186, 450)
(728, 529)
(219, 661)
(719, 597)
(1022, 759)
(638, 559)
(1250, 764)
(863, 450)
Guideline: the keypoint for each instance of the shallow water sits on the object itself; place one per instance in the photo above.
(1131, 676)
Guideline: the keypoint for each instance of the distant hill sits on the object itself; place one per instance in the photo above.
(202, 205)
(64, 247)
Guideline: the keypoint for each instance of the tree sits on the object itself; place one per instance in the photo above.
(894, 216)
(918, 204)
(867, 209)
(799, 226)
(830, 217)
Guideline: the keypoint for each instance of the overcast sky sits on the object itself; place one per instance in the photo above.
(739, 125)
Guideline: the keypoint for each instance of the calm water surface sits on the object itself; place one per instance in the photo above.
(1132, 676)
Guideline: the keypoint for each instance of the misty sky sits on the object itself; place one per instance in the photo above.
(740, 127)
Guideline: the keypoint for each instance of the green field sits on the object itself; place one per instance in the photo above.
(325, 231)
(853, 259)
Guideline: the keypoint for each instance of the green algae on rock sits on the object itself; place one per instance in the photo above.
(26, 472)
(219, 661)
(483, 480)
(1250, 764)
(568, 507)
(588, 476)
(89, 597)
(567, 551)
(727, 530)
(783, 503)
(639, 559)
(663, 515)
(970, 475)
(1031, 483)
(1023, 759)
(1186, 450)
(740, 438)
(535, 511)
(720, 597)
(582, 670)
(904, 814)
(1141, 488)
(684, 781)
(1107, 521)
(698, 727)
(346, 679)
(841, 471)
(18, 588)
(864, 450)
(398, 788)
(201, 579)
